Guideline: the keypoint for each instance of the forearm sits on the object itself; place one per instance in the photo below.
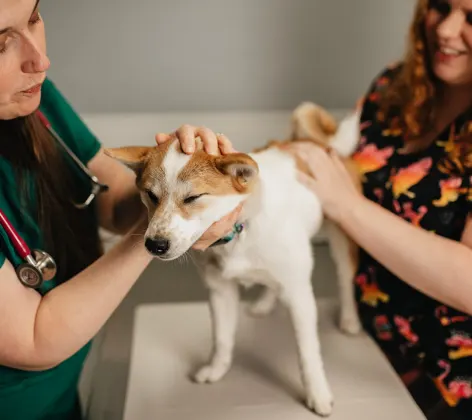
(72, 313)
(436, 266)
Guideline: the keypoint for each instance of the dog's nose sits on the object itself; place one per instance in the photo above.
(157, 246)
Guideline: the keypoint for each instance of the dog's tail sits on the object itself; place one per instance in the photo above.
(312, 122)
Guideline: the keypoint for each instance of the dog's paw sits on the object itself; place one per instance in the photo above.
(350, 324)
(210, 373)
(320, 403)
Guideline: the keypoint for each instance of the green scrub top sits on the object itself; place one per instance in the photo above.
(51, 394)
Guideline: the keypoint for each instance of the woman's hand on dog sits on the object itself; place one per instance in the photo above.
(213, 143)
(328, 178)
(218, 229)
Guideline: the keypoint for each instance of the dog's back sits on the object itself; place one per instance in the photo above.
(282, 215)
(186, 194)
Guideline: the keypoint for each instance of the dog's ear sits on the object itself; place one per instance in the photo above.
(311, 121)
(240, 167)
(131, 156)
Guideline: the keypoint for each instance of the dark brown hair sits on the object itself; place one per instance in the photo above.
(70, 235)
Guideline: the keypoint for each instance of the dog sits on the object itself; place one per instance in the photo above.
(271, 243)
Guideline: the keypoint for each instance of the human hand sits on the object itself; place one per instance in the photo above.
(213, 143)
(328, 178)
(218, 229)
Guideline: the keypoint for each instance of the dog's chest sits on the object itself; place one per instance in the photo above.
(247, 266)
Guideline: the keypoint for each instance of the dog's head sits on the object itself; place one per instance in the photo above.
(185, 194)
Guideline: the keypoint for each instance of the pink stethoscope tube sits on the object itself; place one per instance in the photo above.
(40, 266)
(17, 241)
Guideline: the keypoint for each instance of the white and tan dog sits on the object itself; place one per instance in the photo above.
(185, 194)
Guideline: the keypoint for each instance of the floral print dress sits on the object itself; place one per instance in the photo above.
(422, 189)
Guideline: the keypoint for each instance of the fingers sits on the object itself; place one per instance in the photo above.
(213, 144)
(218, 229)
(225, 144)
(210, 142)
(186, 135)
(162, 137)
(307, 181)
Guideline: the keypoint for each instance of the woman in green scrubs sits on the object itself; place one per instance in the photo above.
(45, 333)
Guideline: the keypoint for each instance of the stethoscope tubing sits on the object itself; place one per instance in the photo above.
(17, 241)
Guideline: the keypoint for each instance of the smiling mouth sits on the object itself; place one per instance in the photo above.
(450, 52)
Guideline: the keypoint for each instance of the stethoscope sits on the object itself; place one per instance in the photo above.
(39, 266)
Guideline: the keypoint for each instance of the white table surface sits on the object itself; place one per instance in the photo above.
(171, 340)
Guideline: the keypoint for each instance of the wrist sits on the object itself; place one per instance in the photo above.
(351, 211)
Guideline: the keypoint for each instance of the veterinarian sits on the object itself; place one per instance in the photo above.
(54, 204)
(414, 280)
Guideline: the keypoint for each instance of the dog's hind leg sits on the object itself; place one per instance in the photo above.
(344, 253)
(266, 303)
(224, 300)
(297, 294)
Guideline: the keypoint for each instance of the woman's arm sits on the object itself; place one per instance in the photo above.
(120, 207)
(37, 332)
(437, 266)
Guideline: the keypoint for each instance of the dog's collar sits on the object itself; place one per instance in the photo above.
(237, 229)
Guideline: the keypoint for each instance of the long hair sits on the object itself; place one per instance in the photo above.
(69, 234)
(410, 97)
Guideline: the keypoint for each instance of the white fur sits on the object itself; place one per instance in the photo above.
(173, 163)
(274, 249)
(346, 138)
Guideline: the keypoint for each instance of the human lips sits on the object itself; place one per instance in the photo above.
(33, 89)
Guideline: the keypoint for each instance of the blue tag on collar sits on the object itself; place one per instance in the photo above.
(237, 229)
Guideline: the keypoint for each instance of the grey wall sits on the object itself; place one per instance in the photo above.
(205, 55)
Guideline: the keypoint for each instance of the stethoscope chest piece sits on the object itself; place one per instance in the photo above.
(45, 264)
(34, 272)
(29, 275)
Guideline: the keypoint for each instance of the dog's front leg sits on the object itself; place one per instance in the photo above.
(302, 307)
(224, 299)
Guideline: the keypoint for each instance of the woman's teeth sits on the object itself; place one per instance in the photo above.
(450, 51)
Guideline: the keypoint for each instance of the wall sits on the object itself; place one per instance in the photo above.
(206, 55)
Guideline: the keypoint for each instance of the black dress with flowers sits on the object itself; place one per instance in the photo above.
(413, 329)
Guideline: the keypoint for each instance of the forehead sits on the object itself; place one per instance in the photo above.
(461, 4)
(15, 12)
(168, 165)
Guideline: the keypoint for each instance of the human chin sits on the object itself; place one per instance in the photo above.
(21, 107)
(454, 74)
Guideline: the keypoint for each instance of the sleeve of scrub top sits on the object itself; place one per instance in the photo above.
(67, 123)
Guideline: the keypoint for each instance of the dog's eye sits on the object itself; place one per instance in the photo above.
(192, 198)
(153, 197)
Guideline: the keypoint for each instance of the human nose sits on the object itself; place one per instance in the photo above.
(451, 26)
(35, 58)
